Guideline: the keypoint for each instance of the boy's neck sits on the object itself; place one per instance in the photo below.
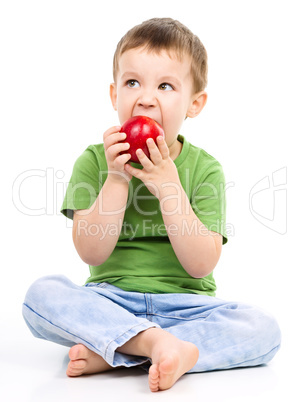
(175, 149)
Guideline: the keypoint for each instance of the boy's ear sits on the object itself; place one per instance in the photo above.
(198, 102)
(113, 95)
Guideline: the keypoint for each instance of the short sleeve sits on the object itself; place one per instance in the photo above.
(208, 200)
(84, 185)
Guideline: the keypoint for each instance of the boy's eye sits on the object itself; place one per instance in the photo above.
(165, 87)
(132, 83)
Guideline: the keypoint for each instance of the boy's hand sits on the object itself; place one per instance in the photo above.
(115, 161)
(159, 173)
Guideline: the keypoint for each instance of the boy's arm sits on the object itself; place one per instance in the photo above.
(96, 230)
(197, 250)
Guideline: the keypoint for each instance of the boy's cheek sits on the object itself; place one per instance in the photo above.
(124, 108)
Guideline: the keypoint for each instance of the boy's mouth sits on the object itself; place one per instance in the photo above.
(157, 119)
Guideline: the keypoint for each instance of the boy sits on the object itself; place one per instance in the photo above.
(151, 233)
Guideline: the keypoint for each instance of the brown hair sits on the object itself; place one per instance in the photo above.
(159, 34)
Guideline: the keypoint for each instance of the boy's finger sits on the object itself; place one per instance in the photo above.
(144, 160)
(115, 149)
(121, 160)
(113, 138)
(155, 154)
(111, 130)
(138, 173)
(163, 148)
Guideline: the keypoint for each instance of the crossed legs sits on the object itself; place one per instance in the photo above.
(170, 357)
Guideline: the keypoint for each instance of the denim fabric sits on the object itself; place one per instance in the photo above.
(104, 317)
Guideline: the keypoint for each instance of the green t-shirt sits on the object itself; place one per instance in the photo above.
(143, 259)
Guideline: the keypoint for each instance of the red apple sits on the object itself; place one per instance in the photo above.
(138, 129)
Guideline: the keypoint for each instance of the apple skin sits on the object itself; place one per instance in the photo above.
(138, 129)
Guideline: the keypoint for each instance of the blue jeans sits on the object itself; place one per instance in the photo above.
(103, 317)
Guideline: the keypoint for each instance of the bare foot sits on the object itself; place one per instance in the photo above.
(171, 357)
(84, 361)
(169, 362)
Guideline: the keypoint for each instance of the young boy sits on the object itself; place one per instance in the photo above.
(151, 233)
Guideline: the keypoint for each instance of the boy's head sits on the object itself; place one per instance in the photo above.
(160, 71)
(159, 34)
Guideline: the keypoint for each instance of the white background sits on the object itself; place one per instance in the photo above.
(56, 67)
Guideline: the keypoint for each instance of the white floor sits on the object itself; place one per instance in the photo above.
(33, 370)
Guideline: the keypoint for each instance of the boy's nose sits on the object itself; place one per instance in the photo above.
(147, 99)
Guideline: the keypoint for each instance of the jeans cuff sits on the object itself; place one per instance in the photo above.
(116, 359)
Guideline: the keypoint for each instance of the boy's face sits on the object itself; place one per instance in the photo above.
(156, 86)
